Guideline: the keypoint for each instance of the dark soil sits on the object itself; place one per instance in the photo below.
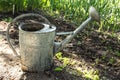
(95, 50)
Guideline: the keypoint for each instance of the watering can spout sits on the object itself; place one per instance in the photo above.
(93, 15)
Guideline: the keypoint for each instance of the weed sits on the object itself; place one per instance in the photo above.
(97, 61)
(111, 60)
(9, 19)
(117, 53)
(58, 69)
(93, 75)
(104, 57)
(64, 60)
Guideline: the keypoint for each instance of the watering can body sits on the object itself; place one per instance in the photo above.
(36, 41)
(36, 47)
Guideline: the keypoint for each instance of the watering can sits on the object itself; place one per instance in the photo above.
(36, 41)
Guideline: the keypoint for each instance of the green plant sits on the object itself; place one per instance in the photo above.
(111, 60)
(104, 56)
(58, 69)
(117, 53)
(59, 56)
(97, 61)
(92, 75)
(9, 19)
(65, 61)
(6, 5)
(74, 11)
(19, 5)
(33, 4)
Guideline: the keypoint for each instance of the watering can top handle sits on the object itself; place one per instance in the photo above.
(14, 21)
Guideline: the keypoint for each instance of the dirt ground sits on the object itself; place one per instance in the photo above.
(93, 50)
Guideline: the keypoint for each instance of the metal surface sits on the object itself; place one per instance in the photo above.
(36, 47)
(64, 33)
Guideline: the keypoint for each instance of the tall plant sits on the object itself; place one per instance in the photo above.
(33, 4)
(76, 10)
(72, 10)
(6, 5)
(19, 5)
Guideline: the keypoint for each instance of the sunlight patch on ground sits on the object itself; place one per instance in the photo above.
(9, 68)
(78, 67)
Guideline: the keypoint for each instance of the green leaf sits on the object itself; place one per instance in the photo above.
(58, 69)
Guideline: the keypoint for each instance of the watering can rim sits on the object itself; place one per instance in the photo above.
(46, 29)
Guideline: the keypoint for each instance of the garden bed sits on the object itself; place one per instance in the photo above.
(90, 55)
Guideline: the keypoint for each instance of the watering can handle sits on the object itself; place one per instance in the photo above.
(15, 20)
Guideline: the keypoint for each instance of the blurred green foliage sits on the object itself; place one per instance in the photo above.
(75, 11)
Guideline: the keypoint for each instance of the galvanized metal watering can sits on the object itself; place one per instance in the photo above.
(36, 41)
